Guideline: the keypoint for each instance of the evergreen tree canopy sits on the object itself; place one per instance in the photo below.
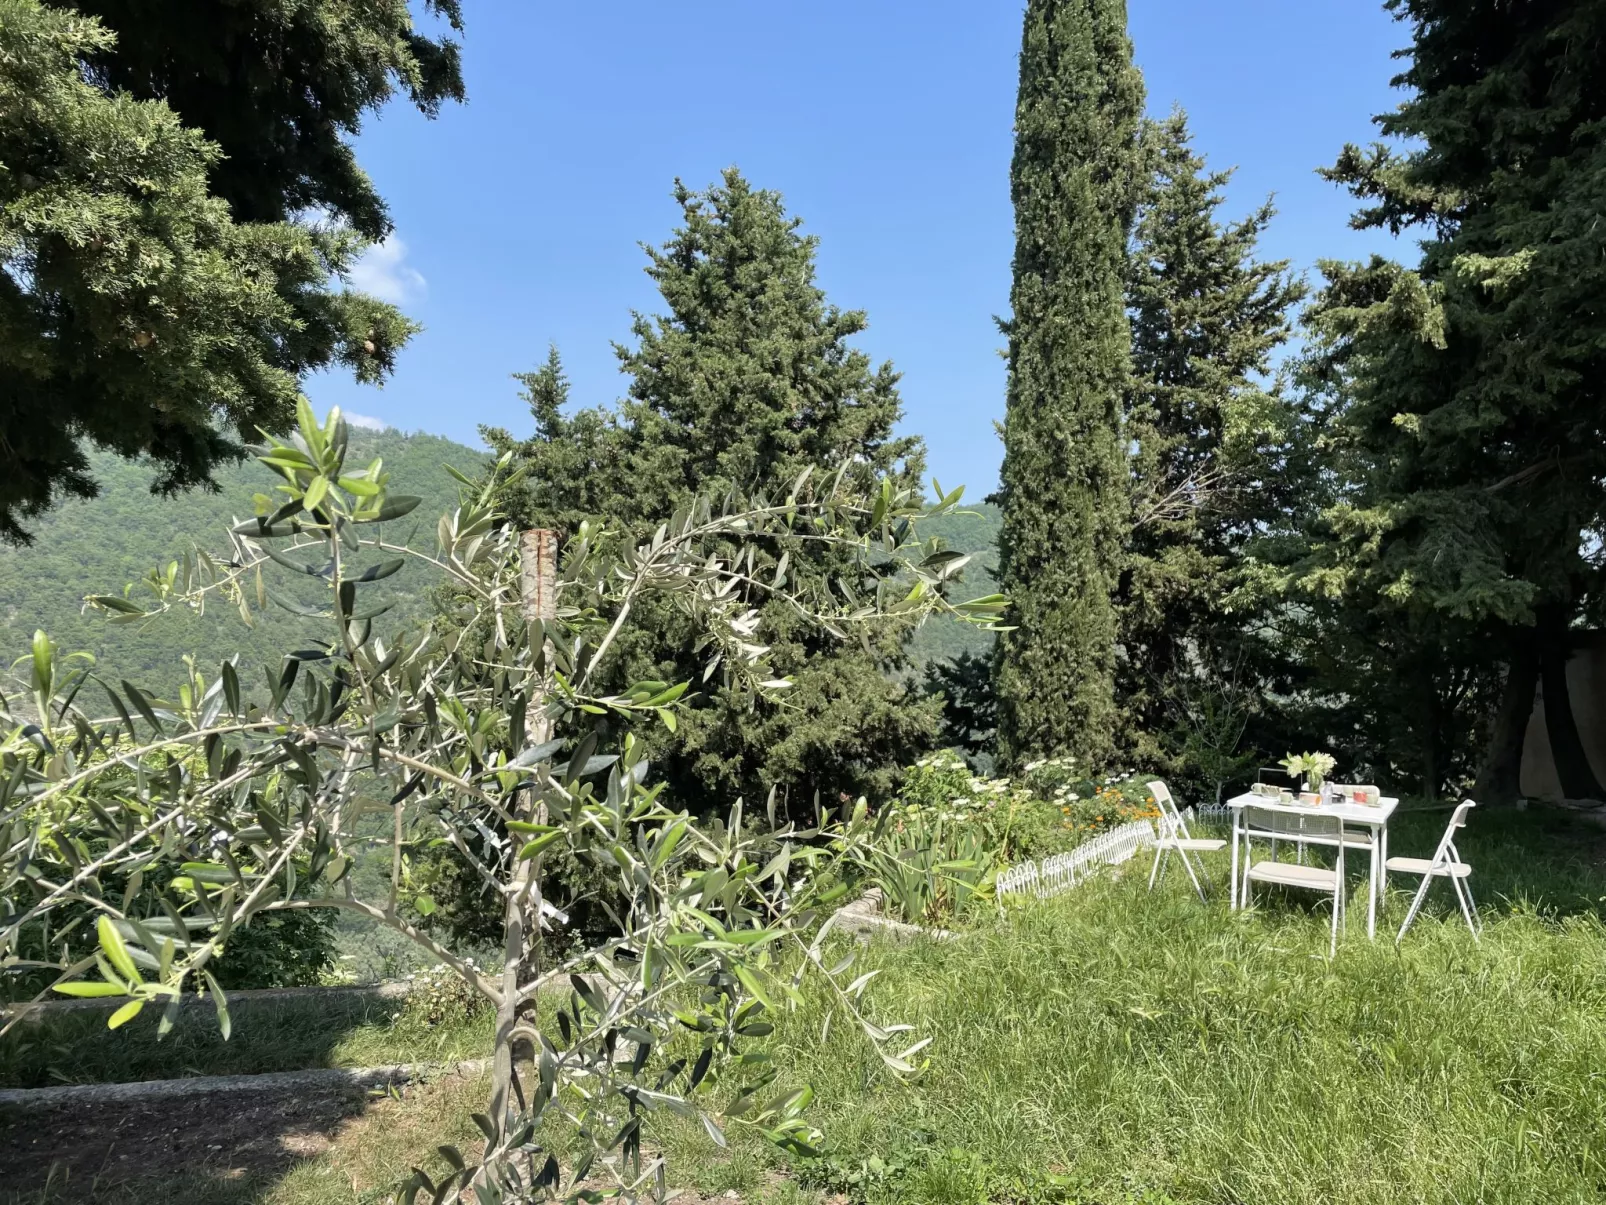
(744, 381)
(279, 86)
(1471, 436)
(1209, 440)
(1074, 181)
(160, 279)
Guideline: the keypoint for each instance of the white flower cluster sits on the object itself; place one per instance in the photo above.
(1064, 762)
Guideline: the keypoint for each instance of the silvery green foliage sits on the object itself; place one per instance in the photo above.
(252, 794)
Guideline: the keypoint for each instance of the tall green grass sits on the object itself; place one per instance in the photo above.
(1115, 1045)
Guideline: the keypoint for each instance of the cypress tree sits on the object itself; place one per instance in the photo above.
(1063, 485)
(1205, 433)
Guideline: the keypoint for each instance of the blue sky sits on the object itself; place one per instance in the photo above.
(884, 123)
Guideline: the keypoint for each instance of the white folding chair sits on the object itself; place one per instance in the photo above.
(1446, 863)
(1356, 839)
(1174, 835)
(1315, 828)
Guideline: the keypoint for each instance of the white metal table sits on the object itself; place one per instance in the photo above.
(1359, 815)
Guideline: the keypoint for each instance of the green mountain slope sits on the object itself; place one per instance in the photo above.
(99, 545)
(945, 639)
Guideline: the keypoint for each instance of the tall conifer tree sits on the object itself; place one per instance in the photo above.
(744, 381)
(1206, 432)
(178, 196)
(1063, 483)
(1476, 424)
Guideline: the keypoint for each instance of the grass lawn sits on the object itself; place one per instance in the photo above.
(1117, 1047)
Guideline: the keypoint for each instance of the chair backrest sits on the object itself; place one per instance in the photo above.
(1277, 777)
(1171, 822)
(1264, 822)
(1458, 819)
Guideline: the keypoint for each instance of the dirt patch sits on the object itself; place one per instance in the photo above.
(94, 1152)
(335, 1141)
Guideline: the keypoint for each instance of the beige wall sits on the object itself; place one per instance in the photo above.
(1586, 684)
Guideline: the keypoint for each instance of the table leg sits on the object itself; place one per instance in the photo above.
(1371, 886)
(1232, 894)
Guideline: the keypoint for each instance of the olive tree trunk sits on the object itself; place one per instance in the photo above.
(521, 949)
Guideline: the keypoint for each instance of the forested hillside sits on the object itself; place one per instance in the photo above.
(97, 546)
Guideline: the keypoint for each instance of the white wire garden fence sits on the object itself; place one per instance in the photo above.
(1060, 872)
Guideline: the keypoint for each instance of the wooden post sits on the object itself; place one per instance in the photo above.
(538, 566)
(521, 950)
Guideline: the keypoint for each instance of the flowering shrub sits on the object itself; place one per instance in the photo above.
(1090, 805)
(1049, 807)
(1013, 823)
(441, 996)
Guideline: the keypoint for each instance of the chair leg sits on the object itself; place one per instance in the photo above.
(1462, 897)
(1416, 904)
(1338, 910)
(1470, 907)
(1187, 864)
(1159, 852)
(1466, 886)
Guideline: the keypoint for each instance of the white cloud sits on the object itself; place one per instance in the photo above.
(366, 422)
(384, 272)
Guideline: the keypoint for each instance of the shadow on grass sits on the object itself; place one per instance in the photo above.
(232, 1146)
(1547, 860)
(219, 1148)
(340, 1029)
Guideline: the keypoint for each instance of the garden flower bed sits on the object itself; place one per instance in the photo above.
(949, 834)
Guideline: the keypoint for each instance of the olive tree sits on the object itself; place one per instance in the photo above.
(244, 796)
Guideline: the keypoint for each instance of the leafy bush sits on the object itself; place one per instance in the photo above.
(940, 844)
(1013, 822)
(1050, 807)
(276, 949)
(283, 949)
(929, 865)
(441, 996)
